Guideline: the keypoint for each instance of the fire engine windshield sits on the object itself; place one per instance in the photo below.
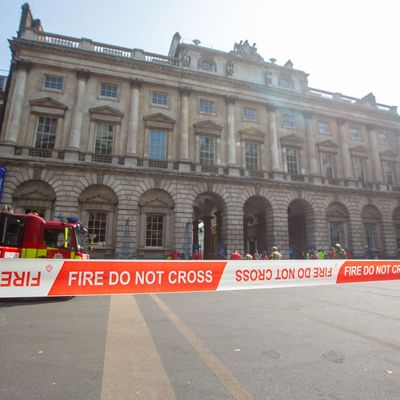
(81, 238)
(11, 230)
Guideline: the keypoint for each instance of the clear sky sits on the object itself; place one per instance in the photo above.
(347, 46)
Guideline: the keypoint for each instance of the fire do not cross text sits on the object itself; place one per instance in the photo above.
(113, 278)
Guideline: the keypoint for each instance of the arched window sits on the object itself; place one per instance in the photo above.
(206, 64)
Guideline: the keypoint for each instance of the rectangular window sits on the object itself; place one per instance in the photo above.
(383, 138)
(97, 226)
(327, 161)
(371, 236)
(46, 133)
(388, 171)
(359, 169)
(159, 99)
(251, 150)
(207, 152)
(323, 128)
(154, 230)
(285, 83)
(336, 233)
(207, 106)
(53, 82)
(158, 145)
(109, 90)
(292, 161)
(355, 133)
(104, 139)
(288, 120)
(249, 114)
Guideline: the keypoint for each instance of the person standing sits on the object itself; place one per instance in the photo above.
(235, 255)
(275, 255)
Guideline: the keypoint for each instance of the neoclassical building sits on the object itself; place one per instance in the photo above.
(199, 147)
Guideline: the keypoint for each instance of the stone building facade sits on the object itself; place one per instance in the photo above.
(200, 148)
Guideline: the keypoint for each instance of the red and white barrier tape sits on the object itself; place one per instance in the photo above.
(55, 277)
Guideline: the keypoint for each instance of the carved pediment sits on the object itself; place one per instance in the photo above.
(252, 134)
(370, 213)
(155, 203)
(48, 102)
(328, 143)
(359, 149)
(106, 110)
(159, 120)
(208, 124)
(159, 117)
(336, 212)
(292, 139)
(388, 155)
(33, 195)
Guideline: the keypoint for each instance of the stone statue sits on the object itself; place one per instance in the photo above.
(229, 68)
(245, 50)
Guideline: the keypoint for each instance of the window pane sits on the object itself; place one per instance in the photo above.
(160, 99)
(104, 139)
(207, 106)
(288, 119)
(158, 145)
(249, 114)
(108, 90)
(206, 150)
(53, 82)
(251, 150)
(336, 230)
(388, 172)
(359, 168)
(327, 165)
(154, 230)
(207, 65)
(323, 128)
(291, 161)
(97, 226)
(355, 133)
(46, 133)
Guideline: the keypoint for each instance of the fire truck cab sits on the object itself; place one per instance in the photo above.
(30, 236)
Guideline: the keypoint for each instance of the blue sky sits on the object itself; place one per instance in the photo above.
(346, 46)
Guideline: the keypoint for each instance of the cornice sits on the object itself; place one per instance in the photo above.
(244, 181)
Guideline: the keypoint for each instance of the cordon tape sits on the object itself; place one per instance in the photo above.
(56, 277)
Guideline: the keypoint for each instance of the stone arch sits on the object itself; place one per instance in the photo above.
(209, 234)
(301, 227)
(372, 227)
(337, 217)
(156, 221)
(257, 224)
(35, 196)
(98, 205)
(396, 222)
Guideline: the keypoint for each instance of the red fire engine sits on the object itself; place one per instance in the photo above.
(30, 236)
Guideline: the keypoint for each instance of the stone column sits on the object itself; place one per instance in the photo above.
(207, 237)
(76, 128)
(376, 161)
(184, 125)
(133, 118)
(346, 158)
(230, 102)
(275, 158)
(14, 119)
(312, 159)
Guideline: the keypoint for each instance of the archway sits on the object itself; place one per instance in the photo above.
(396, 222)
(300, 227)
(98, 208)
(337, 217)
(35, 196)
(207, 225)
(371, 219)
(257, 225)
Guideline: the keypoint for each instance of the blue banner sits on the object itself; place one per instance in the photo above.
(3, 171)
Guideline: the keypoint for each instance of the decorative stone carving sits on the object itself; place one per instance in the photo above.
(288, 64)
(268, 77)
(136, 82)
(229, 68)
(82, 74)
(245, 50)
(185, 59)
